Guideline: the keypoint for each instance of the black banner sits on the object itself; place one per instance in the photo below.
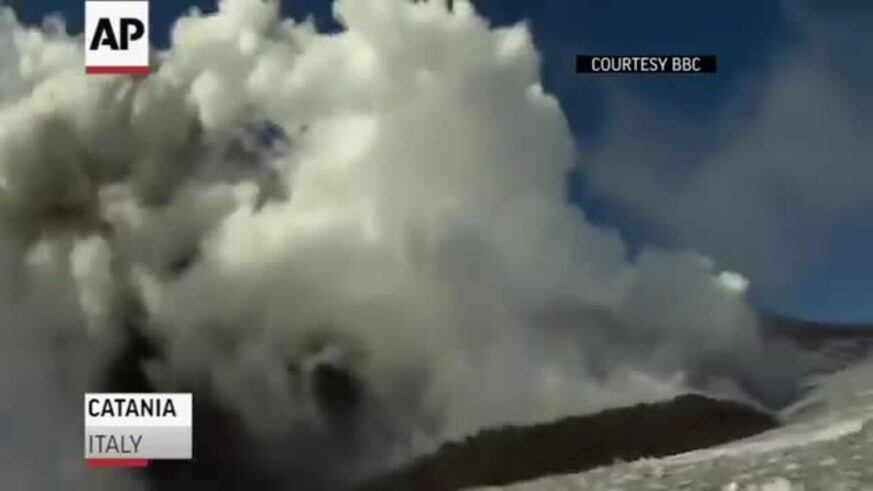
(654, 64)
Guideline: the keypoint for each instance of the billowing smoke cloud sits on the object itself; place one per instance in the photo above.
(359, 243)
(787, 162)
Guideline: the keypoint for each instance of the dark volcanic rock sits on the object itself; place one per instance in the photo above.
(511, 454)
(338, 394)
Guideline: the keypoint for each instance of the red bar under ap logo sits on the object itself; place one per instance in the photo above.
(115, 70)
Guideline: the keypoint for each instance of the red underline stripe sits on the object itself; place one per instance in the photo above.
(117, 462)
(134, 70)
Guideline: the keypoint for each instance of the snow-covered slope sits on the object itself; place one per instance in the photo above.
(826, 444)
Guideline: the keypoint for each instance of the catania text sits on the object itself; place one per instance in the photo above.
(121, 407)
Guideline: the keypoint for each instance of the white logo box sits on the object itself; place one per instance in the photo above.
(134, 59)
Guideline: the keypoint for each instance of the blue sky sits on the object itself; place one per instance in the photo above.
(749, 37)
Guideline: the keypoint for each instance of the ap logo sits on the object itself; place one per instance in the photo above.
(117, 36)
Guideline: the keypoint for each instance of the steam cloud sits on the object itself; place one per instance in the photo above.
(383, 208)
